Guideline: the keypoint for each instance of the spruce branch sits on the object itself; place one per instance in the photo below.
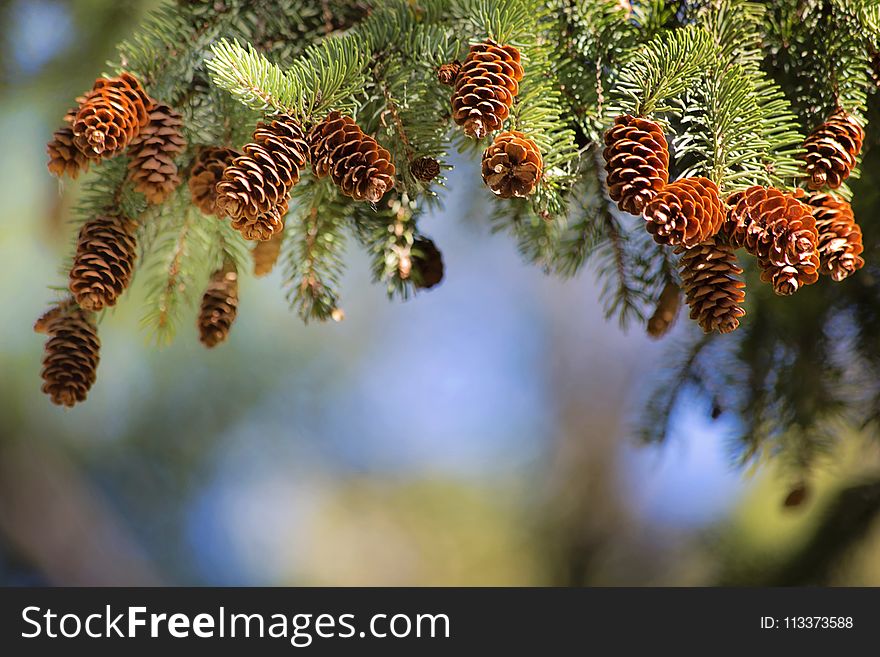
(663, 69)
(313, 252)
(326, 76)
(176, 270)
(737, 127)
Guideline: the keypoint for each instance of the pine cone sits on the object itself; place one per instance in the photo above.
(448, 73)
(219, 307)
(840, 238)
(265, 254)
(261, 177)
(110, 116)
(666, 311)
(358, 165)
(636, 161)
(424, 168)
(780, 231)
(262, 227)
(207, 170)
(71, 355)
(686, 212)
(104, 260)
(427, 263)
(709, 279)
(64, 156)
(485, 88)
(832, 149)
(512, 165)
(152, 166)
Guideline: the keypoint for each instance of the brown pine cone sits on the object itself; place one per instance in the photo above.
(263, 227)
(104, 260)
(358, 165)
(512, 165)
(424, 168)
(840, 238)
(485, 88)
(709, 279)
(686, 212)
(832, 149)
(219, 307)
(110, 116)
(65, 158)
(448, 73)
(152, 166)
(207, 170)
(666, 311)
(636, 161)
(261, 177)
(427, 264)
(780, 231)
(71, 355)
(265, 254)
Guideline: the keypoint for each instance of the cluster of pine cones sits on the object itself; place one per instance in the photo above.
(250, 187)
(795, 236)
(485, 86)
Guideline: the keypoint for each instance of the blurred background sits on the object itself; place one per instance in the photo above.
(482, 433)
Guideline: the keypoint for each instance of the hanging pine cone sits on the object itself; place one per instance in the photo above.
(358, 165)
(686, 212)
(152, 166)
(636, 161)
(512, 165)
(709, 274)
(265, 254)
(64, 156)
(71, 354)
(840, 238)
(485, 88)
(832, 149)
(427, 263)
(261, 177)
(110, 116)
(666, 311)
(447, 73)
(424, 168)
(264, 226)
(219, 307)
(780, 231)
(104, 260)
(207, 170)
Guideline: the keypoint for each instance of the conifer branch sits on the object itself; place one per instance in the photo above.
(663, 69)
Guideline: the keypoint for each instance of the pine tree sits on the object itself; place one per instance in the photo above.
(334, 120)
